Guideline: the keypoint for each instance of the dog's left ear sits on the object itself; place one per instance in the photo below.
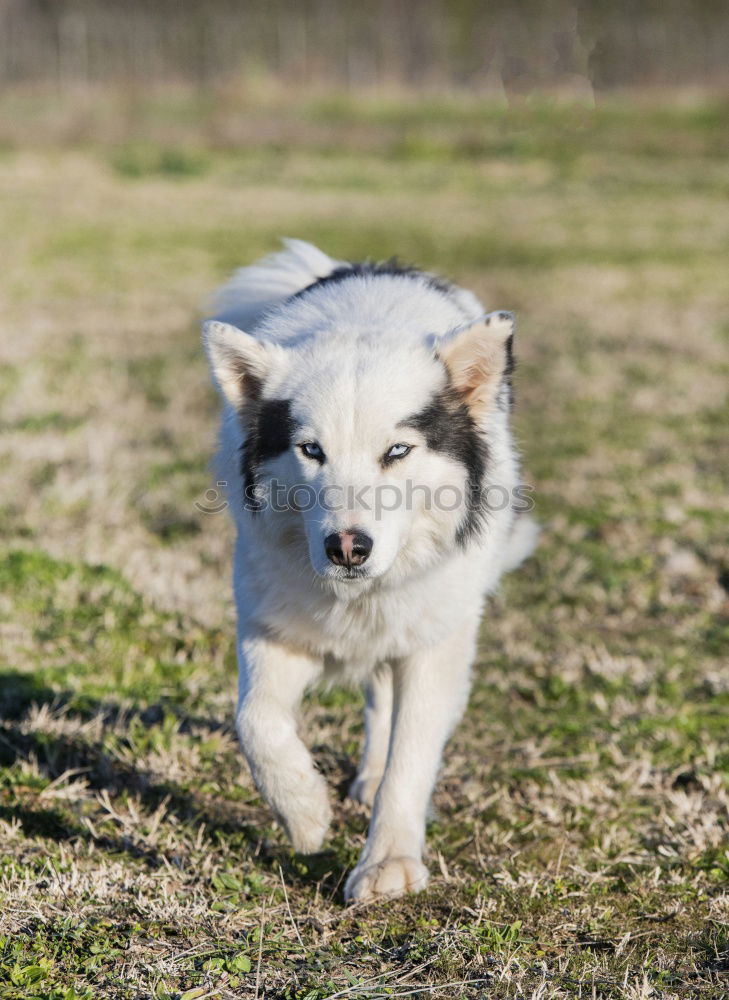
(240, 363)
(478, 358)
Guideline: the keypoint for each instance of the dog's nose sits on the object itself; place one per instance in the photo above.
(348, 548)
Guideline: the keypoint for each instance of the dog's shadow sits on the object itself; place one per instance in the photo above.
(247, 825)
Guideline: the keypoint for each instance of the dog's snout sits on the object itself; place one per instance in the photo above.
(348, 548)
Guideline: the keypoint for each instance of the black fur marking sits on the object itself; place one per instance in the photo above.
(371, 269)
(449, 428)
(269, 428)
(509, 367)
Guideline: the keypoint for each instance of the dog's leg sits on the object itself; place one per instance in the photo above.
(378, 719)
(430, 693)
(272, 681)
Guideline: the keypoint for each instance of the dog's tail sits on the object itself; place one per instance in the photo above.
(253, 290)
(521, 543)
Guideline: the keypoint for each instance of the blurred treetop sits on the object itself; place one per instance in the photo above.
(512, 46)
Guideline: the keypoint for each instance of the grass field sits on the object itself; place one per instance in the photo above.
(581, 844)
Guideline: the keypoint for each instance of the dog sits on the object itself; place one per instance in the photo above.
(365, 434)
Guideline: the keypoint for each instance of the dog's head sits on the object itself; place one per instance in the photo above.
(375, 448)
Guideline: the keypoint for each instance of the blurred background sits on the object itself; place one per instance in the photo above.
(489, 48)
(569, 161)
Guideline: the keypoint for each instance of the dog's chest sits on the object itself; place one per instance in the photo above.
(353, 636)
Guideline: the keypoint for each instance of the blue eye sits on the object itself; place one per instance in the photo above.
(397, 451)
(313, 450)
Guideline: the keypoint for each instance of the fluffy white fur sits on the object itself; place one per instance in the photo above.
(355, 359)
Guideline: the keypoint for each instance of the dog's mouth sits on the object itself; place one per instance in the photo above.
(350, 574)
(349, 584)
(347, 575)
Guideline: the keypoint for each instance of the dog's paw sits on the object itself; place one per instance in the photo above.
(391, 877)
(364, 788)
(307, 818)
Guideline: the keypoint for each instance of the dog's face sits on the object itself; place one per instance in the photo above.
(376, 451)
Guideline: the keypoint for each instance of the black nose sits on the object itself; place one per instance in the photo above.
(348, 548)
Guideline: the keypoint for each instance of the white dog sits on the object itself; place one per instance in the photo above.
(374, 485)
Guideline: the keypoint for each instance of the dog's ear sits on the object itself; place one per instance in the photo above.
(479, 358)
(240, 364)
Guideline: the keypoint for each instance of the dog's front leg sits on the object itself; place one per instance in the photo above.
(272, 681)
(430, 693)
(378, 718)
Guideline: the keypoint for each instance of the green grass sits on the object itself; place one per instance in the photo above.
(579, 841)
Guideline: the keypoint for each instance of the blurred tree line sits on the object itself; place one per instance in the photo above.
(482, 45)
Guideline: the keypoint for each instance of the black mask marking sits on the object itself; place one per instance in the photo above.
(449, 428)
(269, 427)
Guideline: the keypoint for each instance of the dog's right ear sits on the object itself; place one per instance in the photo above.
(479, 358)
(240, 364)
